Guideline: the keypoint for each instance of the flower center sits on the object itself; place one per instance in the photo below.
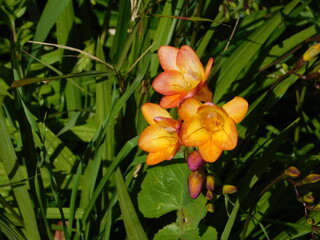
(212, 121)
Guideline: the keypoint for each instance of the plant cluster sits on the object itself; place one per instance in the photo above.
(80, 160)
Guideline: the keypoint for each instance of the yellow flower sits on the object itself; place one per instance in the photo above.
(211, 128)
(161, 138)
(183, 76)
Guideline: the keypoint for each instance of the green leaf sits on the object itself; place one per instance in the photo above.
(245, 52)
(49, 16)
(165, 189)
(131, 221)
(172, 232)
(11, 164)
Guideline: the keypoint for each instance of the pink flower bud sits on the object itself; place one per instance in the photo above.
(195, 183)
(195, 161)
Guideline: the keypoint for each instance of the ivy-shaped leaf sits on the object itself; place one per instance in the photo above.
(165, 189)
(172, 232)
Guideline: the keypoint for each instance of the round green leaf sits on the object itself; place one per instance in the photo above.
(172, 232)
(165, 189)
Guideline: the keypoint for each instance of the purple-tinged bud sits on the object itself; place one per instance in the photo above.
(195, 161)
(311, 178)
(210, 207)
(195, 183)
(292, 172)
(309, 198)
(210, 181)
(229, 189)
(209, 195)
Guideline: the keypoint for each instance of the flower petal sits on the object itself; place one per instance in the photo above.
(208, 68)
(193, 133)
(227, 137)
(188, 62)
(236, 108)
(154, 158)
(220, 125)
(152, 110)
(169, 83)
(157, 138)
(170, 101)
(188, 108)
(168, 56)
(167, 122)
(204, 94)
(209, 151)
(167, 154)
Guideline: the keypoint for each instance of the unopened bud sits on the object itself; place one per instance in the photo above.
(228, 189)
(210, 182)
(308, 198)
(209, 195)
(292, 172)
(300, 199)
(195, 183)
(310, 221)
(311, 53)
(195, 161)
(316, 208)
(210, 207)
(311, 178)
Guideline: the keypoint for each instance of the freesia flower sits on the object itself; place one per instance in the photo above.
(161, 138)
(211, 128)
(183, 76)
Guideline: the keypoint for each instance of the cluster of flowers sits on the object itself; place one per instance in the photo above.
(202, 125)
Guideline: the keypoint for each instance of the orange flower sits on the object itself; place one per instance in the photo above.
(183, 76)
(211, 128)
(161, 138)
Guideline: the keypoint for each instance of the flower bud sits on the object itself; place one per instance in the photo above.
(195, 161)
(209, 195)
(310, 221)
(311, 53)
(210, 207)
(210, 182)
(309, 198)
(311, 178)
(195, 183)
(228, 189)
(292, 172)
(316, 208)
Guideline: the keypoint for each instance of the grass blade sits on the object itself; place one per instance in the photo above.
(21, 194)
(244, 53)
(131, 221)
